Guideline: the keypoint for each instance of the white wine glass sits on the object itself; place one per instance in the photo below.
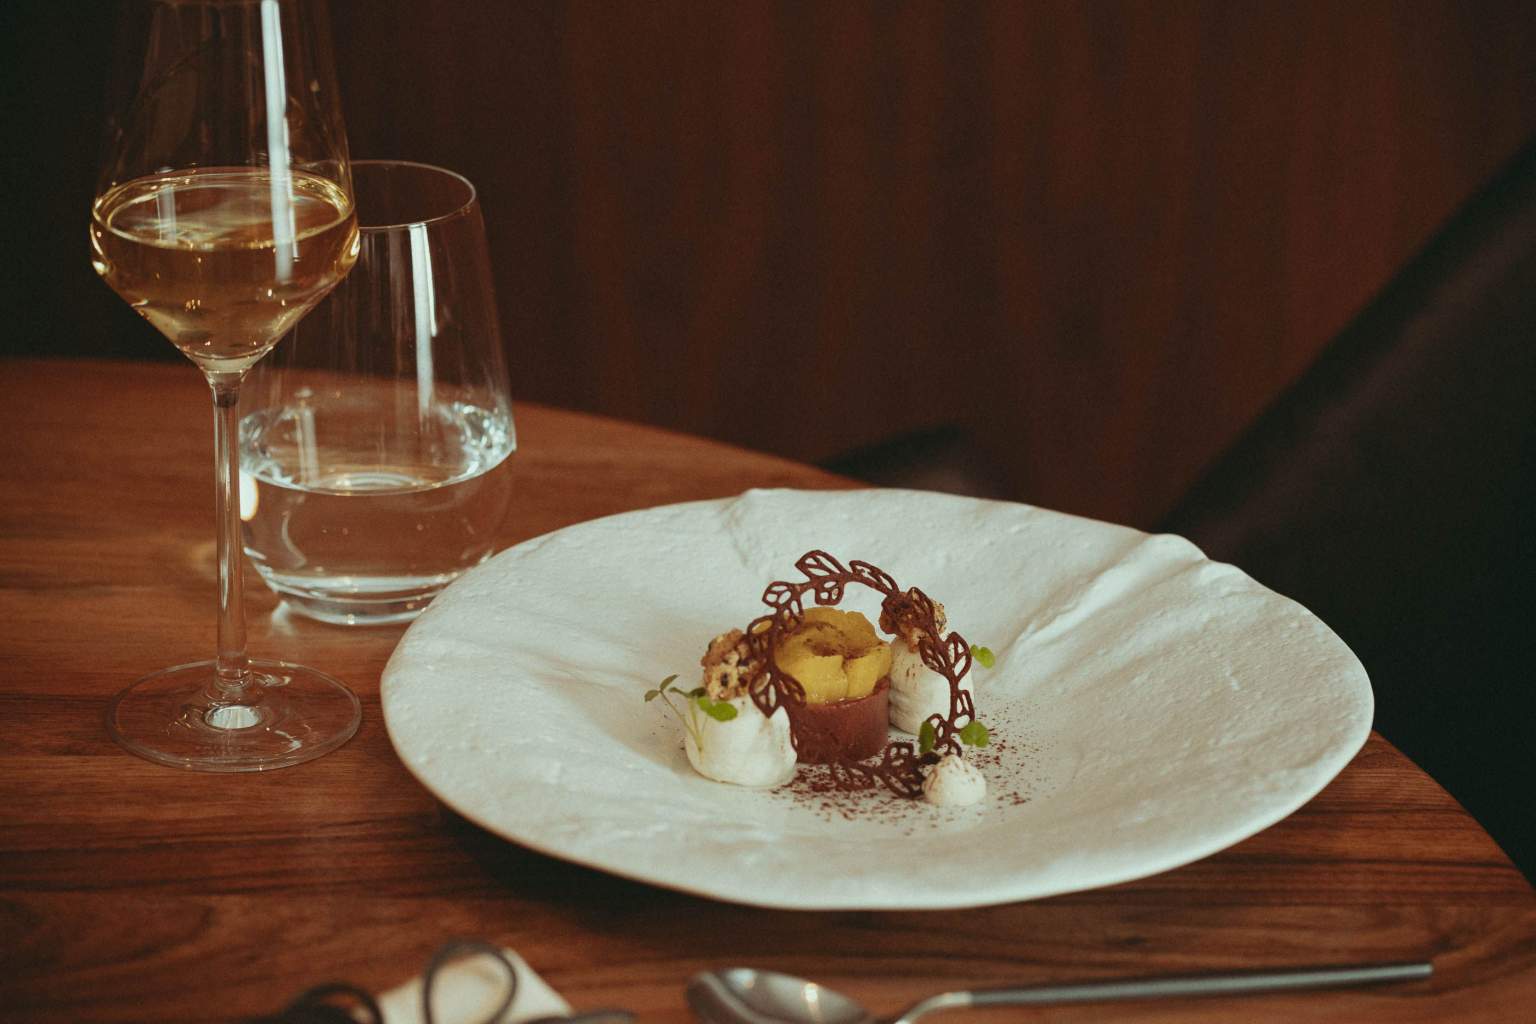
(224, 212)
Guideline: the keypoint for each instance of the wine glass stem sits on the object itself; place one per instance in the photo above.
(232, 672)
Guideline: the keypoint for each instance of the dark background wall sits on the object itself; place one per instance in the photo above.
(1097, 237)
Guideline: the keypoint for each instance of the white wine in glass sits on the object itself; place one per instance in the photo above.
(225, 213)
(198, 254)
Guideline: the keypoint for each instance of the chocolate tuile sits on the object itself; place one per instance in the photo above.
(826, 579)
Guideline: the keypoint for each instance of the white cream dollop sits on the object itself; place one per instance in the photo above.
(917, 691)
(953, 782)
(751, 749)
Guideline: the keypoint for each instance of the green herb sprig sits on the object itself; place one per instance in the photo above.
(719, 710)
(973, 733)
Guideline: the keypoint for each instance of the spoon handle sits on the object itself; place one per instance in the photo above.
(1247, 983)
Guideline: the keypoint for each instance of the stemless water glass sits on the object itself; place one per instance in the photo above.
(224, 212)
(373, 452)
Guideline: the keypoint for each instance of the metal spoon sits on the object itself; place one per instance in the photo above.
(744, 995)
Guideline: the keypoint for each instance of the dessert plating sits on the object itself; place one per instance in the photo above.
(819, 686)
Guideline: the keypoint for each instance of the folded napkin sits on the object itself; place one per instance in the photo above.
(469, 990)
(467, 982)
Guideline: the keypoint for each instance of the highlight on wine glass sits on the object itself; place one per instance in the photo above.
(375, 438)
(223, 214)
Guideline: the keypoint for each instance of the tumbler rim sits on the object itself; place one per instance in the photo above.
(458, 211)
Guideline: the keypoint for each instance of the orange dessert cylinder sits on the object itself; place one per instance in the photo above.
(844, 668)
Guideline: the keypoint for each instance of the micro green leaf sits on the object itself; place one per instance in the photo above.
(927, 736)
(661, 689)
(720, 711)
(984, 655)
(696, 692)
(974, 734)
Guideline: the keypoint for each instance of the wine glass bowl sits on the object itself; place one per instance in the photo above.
(223, 213)
(202, 254)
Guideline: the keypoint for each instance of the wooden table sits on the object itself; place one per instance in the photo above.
(130, 892)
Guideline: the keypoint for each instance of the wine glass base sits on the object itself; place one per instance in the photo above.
(287, 715)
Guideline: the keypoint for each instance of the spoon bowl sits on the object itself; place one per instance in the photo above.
(744, 995)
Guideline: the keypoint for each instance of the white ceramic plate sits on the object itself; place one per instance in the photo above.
(1150, 706)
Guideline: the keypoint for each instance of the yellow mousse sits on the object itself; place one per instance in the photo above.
(835, 655)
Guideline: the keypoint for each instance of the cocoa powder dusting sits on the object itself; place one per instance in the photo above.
(1013, 762)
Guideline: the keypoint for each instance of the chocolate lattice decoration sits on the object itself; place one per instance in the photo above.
(899, 768)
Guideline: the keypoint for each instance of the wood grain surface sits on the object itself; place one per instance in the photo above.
(130, 892)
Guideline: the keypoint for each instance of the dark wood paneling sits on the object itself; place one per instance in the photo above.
(1100, 236)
